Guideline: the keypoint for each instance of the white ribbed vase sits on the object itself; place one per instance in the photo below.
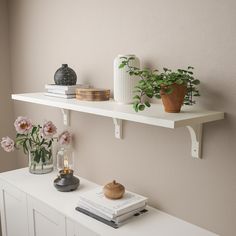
(124, 83)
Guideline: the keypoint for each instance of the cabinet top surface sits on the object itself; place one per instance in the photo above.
(152, 116)
(154, 222)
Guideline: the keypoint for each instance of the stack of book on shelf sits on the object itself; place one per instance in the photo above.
(111, 212)
(63, 91)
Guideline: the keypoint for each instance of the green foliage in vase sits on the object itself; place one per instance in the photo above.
(152, 83)
(35, 144)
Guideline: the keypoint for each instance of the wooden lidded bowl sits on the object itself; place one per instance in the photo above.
(114, 190)
(92, 94)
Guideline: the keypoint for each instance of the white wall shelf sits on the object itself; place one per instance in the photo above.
(190, 117)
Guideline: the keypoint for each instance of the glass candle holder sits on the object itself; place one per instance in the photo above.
(66, 181)
(65, 159)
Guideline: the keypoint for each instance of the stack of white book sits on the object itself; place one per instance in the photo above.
(112, 212)
(63, 91)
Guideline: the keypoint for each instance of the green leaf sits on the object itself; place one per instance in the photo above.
(131, 58)
(25, 149)
(50, 143)
(36, 155)
(142, 82)
(141, 107)
(179, 81)
(121, 65)
(196, 95)
(137, 97)
(33, 130)
(30, 143)
(158, 96)
(137, 73)
(187, 103)
(190, 68)
(168, 90)
(135, 106)
(43, 156)
(196, 82)
(147, 104)
(42, 142)
(180, 71)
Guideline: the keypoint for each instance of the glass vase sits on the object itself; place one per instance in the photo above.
(41, 161)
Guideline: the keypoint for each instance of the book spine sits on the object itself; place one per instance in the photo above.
(128, 215)
(110, 223)
(94, 209)
(59, 95)
(66, 92)
(57, 87)
(97, 206)
(65, 87)
(130, 208)
(112, 212)
(117, 220)
(96, 212)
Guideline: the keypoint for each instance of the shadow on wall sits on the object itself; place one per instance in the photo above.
(215, 99)
(210, 95)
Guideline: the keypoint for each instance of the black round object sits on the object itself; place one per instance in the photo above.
(66, 182)
(65, 76)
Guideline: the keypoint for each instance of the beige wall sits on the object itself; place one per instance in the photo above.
(7, 160)
(150, 160)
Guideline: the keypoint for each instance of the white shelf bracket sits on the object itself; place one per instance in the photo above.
(118, 128)
(66, 116)
(196, 139)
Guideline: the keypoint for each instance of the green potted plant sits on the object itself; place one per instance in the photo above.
(175, 88)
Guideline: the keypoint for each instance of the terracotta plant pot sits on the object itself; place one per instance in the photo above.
(174, 101)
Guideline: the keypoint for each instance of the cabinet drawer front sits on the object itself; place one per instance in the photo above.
(70, 228)
(76, 229)
(83, 231)
(13, 203)
(13, 191)
(44, 220)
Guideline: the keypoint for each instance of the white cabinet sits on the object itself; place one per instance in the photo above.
(13, 205)
(43, 220)
(26, 216)
(31, 206)
(75, 229)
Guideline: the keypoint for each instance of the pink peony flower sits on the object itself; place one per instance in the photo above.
(48, 130)
(7, 144)
(23, 125)
(64, 138)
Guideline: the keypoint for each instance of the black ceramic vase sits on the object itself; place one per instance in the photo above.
(65, 76)
(66, 182)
